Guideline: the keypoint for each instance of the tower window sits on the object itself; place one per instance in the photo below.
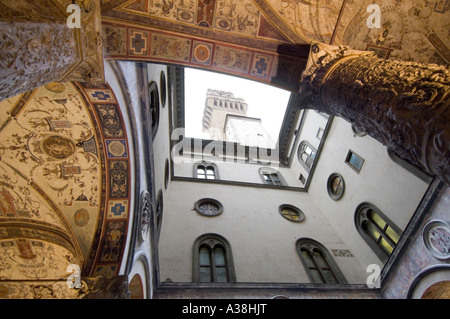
(213, 260)
(377, 230)
(318, 262)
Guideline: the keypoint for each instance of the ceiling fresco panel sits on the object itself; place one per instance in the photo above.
(410, 30)
(62, 147)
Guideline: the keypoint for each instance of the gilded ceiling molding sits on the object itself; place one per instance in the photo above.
(228, 27)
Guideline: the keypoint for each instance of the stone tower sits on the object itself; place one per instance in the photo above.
(225, 119)
(218, 105)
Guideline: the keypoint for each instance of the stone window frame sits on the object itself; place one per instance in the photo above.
(270, 172)
(154, 104)
(310, 245)
(309, 162)
(362, 222)
(211, 241)
(330, 180)
(301, 215)
(206, 165)
(347, 161)
(163, 88)
(198, 209)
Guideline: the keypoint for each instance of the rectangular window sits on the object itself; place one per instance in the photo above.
(354, 161)
(319, 134)
(302, 179)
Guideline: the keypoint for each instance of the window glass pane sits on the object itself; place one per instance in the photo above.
(355, 161)
(204, 257)
(210, 171)
(377, 219)
(372, 230)
(210, 177)
(386, 246)
(329, 277)
(316, 277)
(392, 234)
(320, 260)
(219, 255)
(308, 259)
(221, 274)
(208, 209)
(290, 214)
(205, 274)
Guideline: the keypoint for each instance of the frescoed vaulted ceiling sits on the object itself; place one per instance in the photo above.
(64, 186)
(268, 40)
(64, 157)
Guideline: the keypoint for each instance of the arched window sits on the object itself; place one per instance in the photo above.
(318, 262)
(306, 154)
(271, 176)
(213, 261)
(205, 170)
(380, 233)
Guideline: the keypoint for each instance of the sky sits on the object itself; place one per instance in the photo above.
(264, 101)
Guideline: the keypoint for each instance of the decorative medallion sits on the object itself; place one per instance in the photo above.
(81, 217)
(436, 237)
(202, 53)
(58, 147)
(116, 148)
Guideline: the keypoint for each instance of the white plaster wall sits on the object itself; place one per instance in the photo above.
(262, 241)
(313, 121)
(161, 142)
(237, 172)
(391, 188)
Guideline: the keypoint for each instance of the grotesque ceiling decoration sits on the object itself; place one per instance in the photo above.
(64, 177)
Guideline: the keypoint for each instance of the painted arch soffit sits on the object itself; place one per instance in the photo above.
(233, 21)
(64, 182)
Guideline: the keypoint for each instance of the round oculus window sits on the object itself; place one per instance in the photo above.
(336, 186)
(208, 207)
(291, 213)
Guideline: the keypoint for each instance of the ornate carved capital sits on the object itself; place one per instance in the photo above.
(37, 46)
(323, 58)
(104, 288)
(403, 105)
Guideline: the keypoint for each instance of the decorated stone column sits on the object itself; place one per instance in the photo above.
(44, 41)
(403, 105)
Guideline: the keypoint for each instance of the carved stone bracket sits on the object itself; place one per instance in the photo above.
(104, 288)
(145, 213)
(403, 105)
(37, 46)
